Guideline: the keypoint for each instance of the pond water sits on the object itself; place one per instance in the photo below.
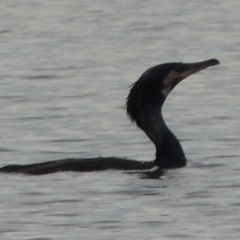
(65, 70)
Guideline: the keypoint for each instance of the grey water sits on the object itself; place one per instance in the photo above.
(65, 70)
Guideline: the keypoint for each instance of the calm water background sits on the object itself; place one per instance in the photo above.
(64, 74)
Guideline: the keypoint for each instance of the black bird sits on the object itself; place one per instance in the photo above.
(144, 106)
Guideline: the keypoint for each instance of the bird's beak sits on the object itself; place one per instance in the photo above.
(191, 68)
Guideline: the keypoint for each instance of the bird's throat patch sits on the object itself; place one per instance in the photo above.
(172, 79)
(168, 82)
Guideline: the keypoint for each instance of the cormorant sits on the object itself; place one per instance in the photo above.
(144, 106)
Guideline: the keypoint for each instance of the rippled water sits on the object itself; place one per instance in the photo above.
(65, 70)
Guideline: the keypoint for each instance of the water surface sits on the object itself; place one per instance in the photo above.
(65, 70)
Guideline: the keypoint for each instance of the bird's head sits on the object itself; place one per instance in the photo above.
(152, 88)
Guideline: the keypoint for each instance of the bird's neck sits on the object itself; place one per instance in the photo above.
(169, 152)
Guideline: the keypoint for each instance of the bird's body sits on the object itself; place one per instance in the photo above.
(144, 106)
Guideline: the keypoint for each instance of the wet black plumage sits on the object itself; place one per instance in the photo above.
(144, 105)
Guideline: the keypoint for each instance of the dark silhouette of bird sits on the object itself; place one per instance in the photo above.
(144, 107)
